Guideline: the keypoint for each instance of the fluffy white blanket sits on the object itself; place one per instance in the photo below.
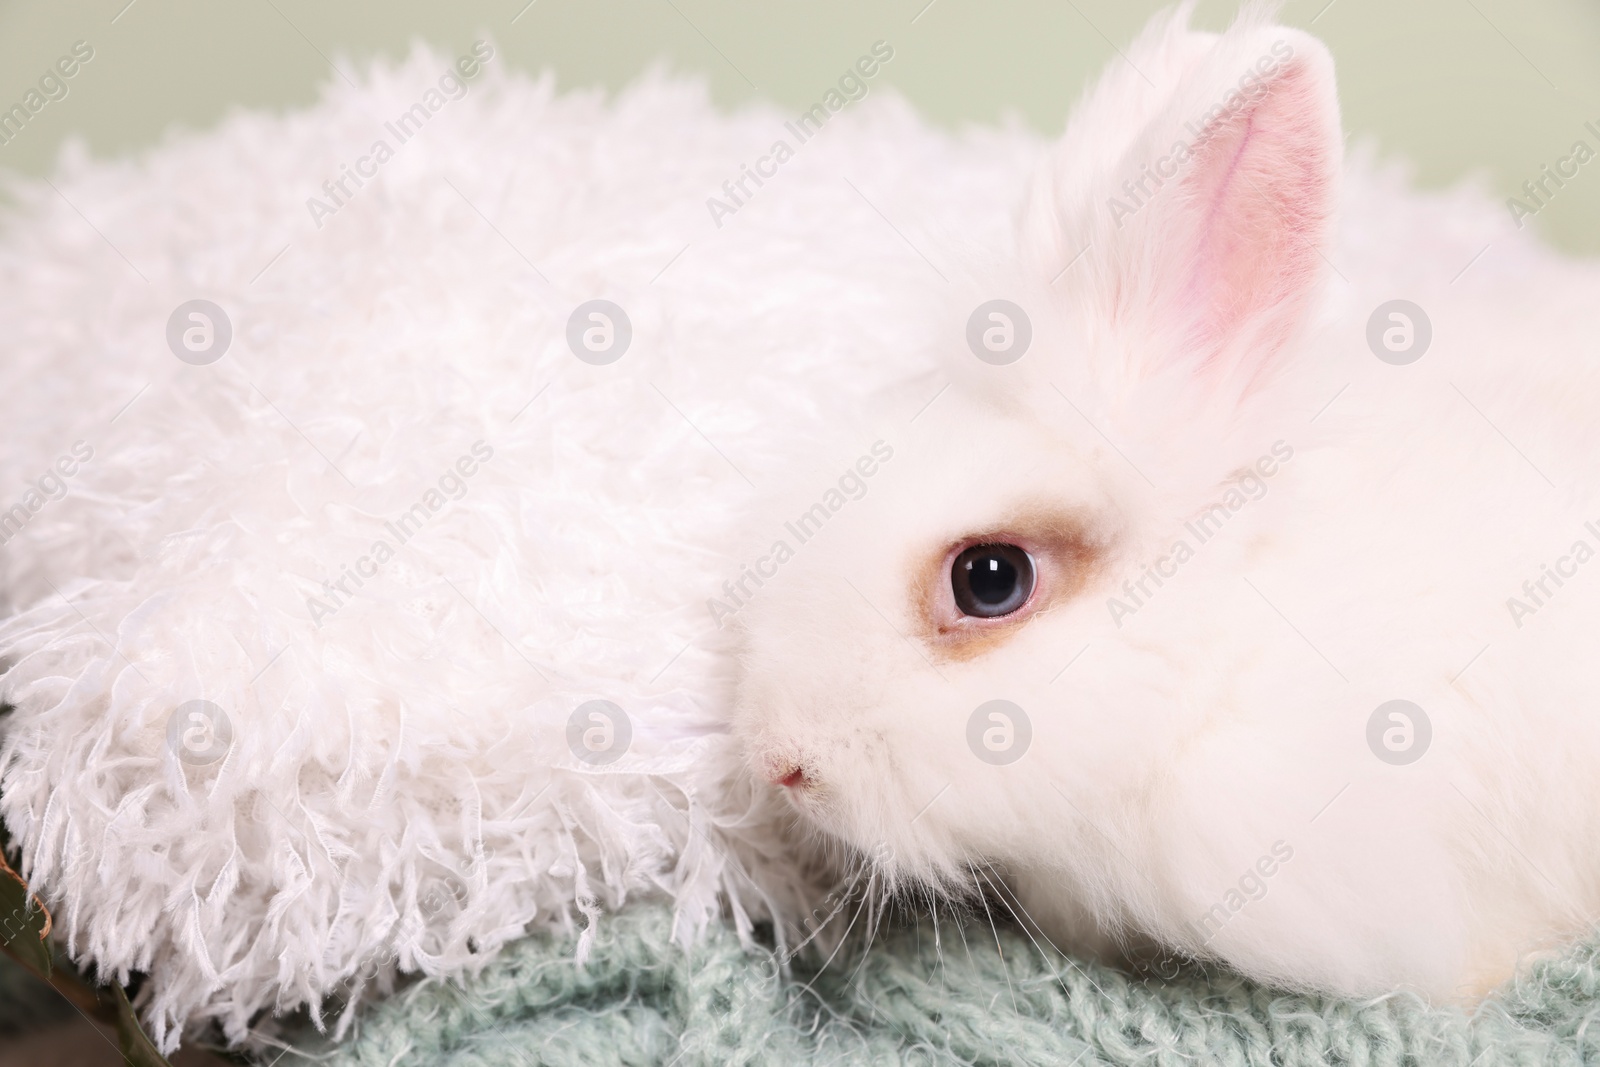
(306, 597)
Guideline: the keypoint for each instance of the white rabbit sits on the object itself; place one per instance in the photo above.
(403, 791)
(1242, 503)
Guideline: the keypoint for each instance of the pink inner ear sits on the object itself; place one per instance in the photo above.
(1256, 203)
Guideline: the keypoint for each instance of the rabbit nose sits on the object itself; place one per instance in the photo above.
(788, 774)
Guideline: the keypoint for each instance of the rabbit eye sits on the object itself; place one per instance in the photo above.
(991, 580)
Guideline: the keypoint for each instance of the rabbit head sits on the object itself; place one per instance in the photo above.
(909, 680)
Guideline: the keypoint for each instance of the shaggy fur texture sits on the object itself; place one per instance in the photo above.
(399, 793)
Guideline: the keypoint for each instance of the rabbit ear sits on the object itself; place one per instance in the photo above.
(1203, 237)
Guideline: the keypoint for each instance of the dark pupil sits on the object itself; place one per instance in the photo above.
(991, 580)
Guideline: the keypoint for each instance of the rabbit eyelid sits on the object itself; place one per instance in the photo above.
(1065, 554)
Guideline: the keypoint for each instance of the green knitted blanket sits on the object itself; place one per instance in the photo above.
(972, 997)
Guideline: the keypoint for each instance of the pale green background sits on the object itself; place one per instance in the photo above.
(1495, 87)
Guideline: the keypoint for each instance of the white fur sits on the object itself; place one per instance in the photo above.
(411, 749)
(417, 739)
(1172, 752)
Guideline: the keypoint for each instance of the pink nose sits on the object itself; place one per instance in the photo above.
(787, 773)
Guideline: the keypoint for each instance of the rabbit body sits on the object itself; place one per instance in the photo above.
(1256, 525)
